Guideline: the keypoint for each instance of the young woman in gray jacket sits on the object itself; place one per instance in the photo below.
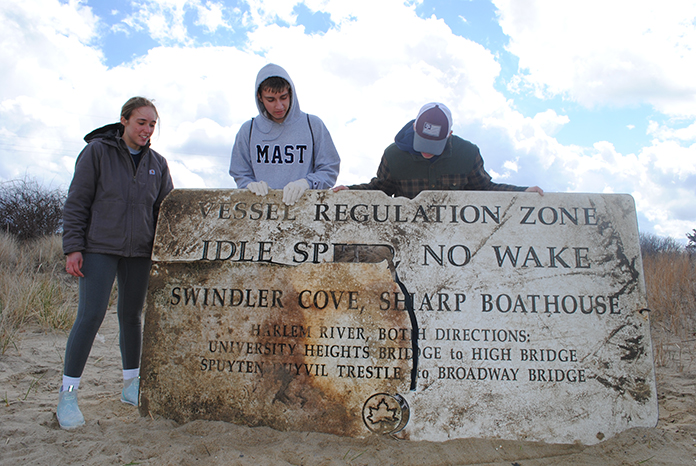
(108, 230)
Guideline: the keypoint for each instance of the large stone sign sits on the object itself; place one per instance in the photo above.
(453, 315)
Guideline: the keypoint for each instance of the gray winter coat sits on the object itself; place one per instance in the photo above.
(111, 207)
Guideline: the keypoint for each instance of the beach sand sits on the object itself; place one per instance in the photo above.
(116, 434)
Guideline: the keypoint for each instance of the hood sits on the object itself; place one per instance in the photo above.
(109, 132)
(264, 123)
(404, 138)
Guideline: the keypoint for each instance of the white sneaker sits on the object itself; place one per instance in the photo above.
(131, 390)
(68, 413)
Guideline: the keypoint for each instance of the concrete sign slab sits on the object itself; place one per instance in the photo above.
(518, 316)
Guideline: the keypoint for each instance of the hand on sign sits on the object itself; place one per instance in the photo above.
(260, 188)
(535, 189)
(293, 191)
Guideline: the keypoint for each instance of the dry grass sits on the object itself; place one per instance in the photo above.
(34, 287)
(670, 280)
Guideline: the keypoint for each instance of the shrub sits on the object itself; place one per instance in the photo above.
(692, 241)
(651, 244)
(29, 211)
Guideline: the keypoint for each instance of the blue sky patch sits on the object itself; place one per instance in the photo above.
(313, 22)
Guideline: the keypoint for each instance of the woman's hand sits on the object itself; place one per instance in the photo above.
(73, 264)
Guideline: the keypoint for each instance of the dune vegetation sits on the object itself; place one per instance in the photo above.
(670, 281)
(34, 288)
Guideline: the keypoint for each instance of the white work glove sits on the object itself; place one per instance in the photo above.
(292, 192)
(260, 188)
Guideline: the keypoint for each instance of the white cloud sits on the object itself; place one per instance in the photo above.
(550, 121)
(47, 71)
(183, 177)
(163, 19)
(597, 52)
(511, 165)
(663, 132)
(608, 54)
(365, 77)
(210, 16)
(672, 159)
(265, 12)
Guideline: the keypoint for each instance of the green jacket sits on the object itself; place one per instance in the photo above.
(406, 173)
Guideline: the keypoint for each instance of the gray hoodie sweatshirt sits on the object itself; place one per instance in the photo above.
(278, 153)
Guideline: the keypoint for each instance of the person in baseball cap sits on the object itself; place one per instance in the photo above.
(426, 155)
(433, 126)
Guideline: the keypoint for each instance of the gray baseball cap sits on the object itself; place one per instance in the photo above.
(432, 128)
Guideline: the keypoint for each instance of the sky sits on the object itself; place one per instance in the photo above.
(593, 96)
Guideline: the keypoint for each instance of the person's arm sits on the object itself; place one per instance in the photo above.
(78, 205)
(382, 182)
(240, 162)
(327, 162)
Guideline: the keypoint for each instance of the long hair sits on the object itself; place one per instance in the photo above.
(134, 103)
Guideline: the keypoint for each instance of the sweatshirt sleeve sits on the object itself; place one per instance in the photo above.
(240, 163)
(327, 163)
(78, 205)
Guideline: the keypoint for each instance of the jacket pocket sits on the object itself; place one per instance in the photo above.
(453, 182)
(108, 225)
(144, 229)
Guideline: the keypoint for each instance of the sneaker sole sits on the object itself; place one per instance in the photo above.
(70, 427)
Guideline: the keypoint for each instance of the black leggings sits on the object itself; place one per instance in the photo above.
(99, 271)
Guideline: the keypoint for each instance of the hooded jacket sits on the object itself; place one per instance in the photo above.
(278, 153)
(112, 207)
(403, 171)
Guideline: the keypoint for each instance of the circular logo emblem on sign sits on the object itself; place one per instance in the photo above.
(385, 414)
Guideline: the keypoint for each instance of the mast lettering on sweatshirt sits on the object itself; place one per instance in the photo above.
(280, 155)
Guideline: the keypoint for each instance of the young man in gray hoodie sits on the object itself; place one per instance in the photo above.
(283, 148)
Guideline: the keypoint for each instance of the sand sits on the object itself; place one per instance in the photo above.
(115, 433)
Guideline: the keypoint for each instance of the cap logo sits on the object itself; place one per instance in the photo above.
(431, 129)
